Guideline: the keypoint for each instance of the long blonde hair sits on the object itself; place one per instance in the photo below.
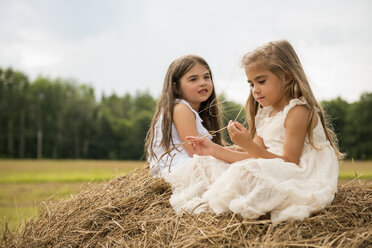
(208, 110)
(280, 58)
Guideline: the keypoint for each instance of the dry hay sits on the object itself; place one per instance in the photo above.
(134, 211)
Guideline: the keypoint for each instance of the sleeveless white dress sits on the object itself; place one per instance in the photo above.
(177, 157)
(253, 187)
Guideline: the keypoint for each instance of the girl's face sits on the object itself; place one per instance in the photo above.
(267, 88)
(196, 85)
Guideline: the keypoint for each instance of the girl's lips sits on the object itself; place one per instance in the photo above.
(260, 98)
(203, 91)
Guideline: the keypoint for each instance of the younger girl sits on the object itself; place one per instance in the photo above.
(187, 107)
(289, 164)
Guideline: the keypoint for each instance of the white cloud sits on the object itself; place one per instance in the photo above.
(124, 46)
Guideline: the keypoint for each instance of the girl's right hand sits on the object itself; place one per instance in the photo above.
(239, 134)
(202, 146)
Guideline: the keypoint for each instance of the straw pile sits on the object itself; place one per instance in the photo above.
(134, 211)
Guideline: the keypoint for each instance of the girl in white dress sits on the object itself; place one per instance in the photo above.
(187, 107)
(289, 162)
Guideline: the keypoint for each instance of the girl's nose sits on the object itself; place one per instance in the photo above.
(256, 89)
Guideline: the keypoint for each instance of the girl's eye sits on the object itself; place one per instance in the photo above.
(207, 77)
(261, 82)
(193, 79)
(251, 85)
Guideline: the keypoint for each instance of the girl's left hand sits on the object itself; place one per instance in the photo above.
(202, 146)
(239, 134)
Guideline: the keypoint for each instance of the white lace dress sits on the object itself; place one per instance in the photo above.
(253, 187)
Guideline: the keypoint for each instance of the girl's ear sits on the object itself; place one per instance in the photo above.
(174, 85)
(287, 77)
(175, 89)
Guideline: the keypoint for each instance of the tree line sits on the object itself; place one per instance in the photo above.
(59, 118)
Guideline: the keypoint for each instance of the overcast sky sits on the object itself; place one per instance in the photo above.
(122, 46)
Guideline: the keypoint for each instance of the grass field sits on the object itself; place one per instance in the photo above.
(26, 184)
(351, 169)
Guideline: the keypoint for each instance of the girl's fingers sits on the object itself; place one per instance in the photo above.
(232, 127)
(238, 126)
(229, 129)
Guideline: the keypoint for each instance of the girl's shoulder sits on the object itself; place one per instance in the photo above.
(182, 107)
(297, 103)
(184, 103)
(297, 112)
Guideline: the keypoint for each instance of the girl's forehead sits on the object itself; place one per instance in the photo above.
(254, 69)
(197, 69)
(199, 65)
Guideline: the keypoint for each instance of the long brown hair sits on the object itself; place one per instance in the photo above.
(208, 110)
(280, 58)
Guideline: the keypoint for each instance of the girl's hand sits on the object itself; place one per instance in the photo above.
(202, 146)
(239, 134)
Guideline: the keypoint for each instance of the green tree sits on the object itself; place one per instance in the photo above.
(144, 108)
(336, 112)
(13, 103)
(79, 119)
(124, 123)
(358, 131)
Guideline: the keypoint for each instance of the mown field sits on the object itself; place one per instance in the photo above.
(26, 184)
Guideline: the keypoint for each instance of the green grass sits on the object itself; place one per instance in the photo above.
(26, 184)
(22, 201)
(35, 171)
(353, 176)
(353, 169)
(63, 176)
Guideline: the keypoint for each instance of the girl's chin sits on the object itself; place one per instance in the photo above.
(205, 97)
(264, 104)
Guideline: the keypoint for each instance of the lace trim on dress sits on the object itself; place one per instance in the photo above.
(262, 113)
(292, 103)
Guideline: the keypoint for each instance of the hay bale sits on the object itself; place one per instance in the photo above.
(134, 211)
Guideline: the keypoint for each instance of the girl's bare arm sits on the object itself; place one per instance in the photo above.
(204, 147)
(296, 124)
(184, 120)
